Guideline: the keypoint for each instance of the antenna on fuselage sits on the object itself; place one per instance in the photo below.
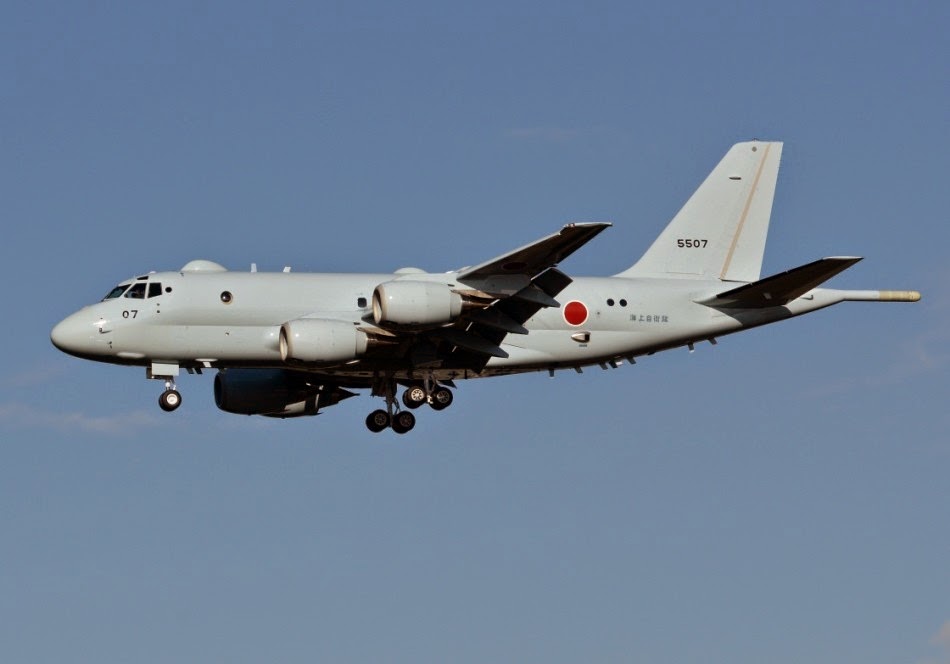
(253, 267)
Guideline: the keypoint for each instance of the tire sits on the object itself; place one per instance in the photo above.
(441, 398)
(377, 421)
(169, 400)
(403, 421)
(414, 396)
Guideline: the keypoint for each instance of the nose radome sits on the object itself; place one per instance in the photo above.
(73, 334)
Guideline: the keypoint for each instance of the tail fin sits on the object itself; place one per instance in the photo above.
(720, 233)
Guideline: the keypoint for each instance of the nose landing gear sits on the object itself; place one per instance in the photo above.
(170, 399)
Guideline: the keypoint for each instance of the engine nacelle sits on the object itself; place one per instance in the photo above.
(272, 392)
(318, 340)
(417, 303)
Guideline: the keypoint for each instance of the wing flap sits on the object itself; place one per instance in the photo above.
(552, 281)
(472, 342)
(782, 288)
(495, 319)
(516, 310)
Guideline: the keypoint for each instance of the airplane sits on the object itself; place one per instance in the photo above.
(289, 344)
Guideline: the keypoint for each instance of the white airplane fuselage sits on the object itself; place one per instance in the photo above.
(289, 344)
(193, 326)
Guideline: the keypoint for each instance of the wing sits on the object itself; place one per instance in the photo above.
(532, 259)
(511, 288)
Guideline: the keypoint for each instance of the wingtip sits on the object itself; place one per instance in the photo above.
(589, 224)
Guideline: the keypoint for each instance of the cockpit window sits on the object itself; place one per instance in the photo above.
(154, 289)
(137, 291)
(115, 292)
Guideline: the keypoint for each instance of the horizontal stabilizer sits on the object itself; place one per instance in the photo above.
(781, 288)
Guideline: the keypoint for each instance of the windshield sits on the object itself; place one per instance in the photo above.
(115, 292)
(137, 291)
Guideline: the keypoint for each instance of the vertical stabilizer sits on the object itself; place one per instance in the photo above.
(720, 233)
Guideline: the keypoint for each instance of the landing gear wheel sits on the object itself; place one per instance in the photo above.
(169, 400)
(403, 421)
(441, 398)
(414, 397)
(377, 421)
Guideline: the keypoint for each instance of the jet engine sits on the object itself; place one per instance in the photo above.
(318, 340)
(272, 392)
(417, 303)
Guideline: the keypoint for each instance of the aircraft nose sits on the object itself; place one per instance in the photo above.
(74, 334)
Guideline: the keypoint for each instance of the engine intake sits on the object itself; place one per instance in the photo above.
(318, 340)
(415, 303)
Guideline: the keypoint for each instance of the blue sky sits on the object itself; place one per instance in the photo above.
(781, 497)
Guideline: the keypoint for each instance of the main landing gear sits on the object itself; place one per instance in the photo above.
(416, 395)
(401, 421)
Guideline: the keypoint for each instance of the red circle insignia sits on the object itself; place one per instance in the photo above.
(575, 313)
